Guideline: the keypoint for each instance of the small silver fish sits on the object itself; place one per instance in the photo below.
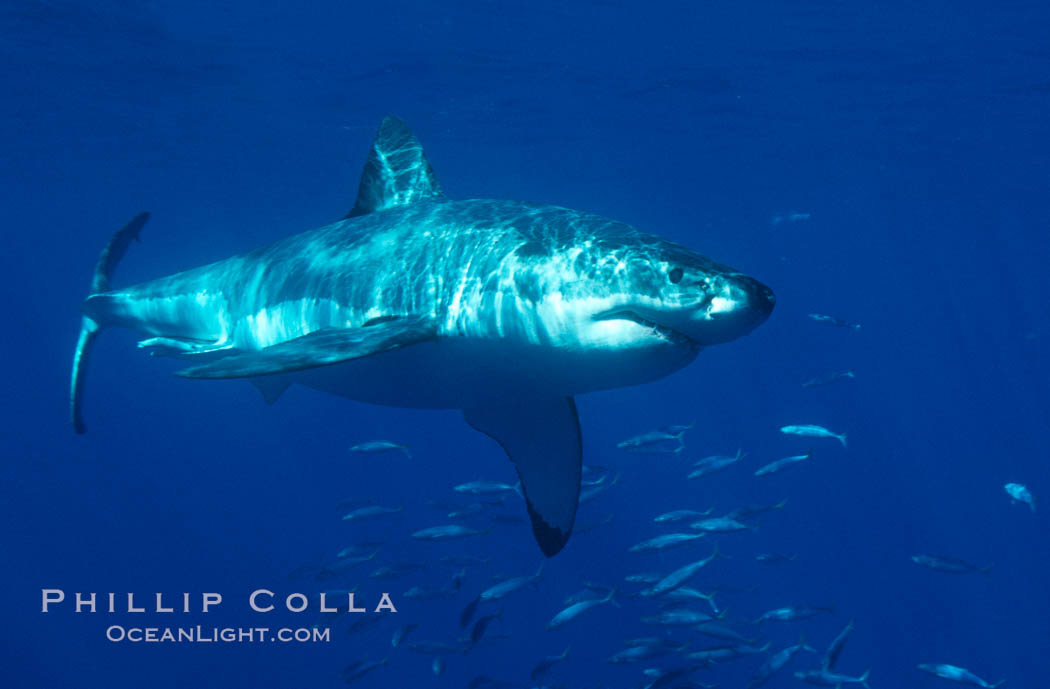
(355, 671)
(505, 588)
(720, 654)
(828, 379)
(374, 447)
(792, 217)
(681, 515)
(588, 494)
(812, 431)
(831, 320)
(576, 609)
(448, 532)
(361, 548)
(544, 666)
(396, 570)
(588, 592)
(400, 633)
(681, 575)
(463, 560)
(747, 512)
(371, 511)
(679, 617)
(588, 526)
(953, 565)
(717, 631)
(790, 614)
(482, 624)
(720, 525)
(781, 464)
(1020, 493)
(653, 648)
(666, 440)
(664, 542)
(776, 662)
(487, 488)
(714, 463)
(774, 558)
(341, 566)
(687, 593)
(827, 678)
(684, 593)
(434, 648)
(957, 674)
(419, 593)
(831, 656)
(363, 622)
(457, 579)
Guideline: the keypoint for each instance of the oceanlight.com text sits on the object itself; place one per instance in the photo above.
(200, 634)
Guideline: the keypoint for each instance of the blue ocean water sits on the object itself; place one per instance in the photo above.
(915, 140)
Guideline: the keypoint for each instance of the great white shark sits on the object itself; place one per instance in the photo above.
(502, 309)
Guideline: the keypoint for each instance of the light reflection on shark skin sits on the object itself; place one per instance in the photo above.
(500, 308)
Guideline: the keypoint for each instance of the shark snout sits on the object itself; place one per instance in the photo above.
(763, 298)
(742, 306)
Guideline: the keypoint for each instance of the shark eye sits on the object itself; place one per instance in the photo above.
(676, 275)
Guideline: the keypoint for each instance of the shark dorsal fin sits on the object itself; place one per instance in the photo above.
(397, 172)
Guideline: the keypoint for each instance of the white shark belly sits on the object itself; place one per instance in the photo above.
(458, 373)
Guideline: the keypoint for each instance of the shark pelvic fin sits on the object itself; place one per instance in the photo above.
(89, 328)
(397, 172)
(319, 348)
(270, 387)
(542, 438)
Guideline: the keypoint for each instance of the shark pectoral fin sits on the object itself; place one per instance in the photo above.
(397, 173)
(542, 438)
(319, 348)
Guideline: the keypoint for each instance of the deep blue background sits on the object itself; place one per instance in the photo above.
(917, 137)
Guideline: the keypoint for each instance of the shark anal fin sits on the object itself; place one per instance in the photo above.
(397, 172)
(319, 348)
(542, 438)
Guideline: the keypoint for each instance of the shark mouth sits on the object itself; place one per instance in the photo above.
(669, 334)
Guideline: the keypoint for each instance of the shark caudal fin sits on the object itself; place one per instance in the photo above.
(89, 328)
(542, 438)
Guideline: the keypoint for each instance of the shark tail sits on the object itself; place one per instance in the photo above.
(89, 327)
(842, 439)
(863, 679)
